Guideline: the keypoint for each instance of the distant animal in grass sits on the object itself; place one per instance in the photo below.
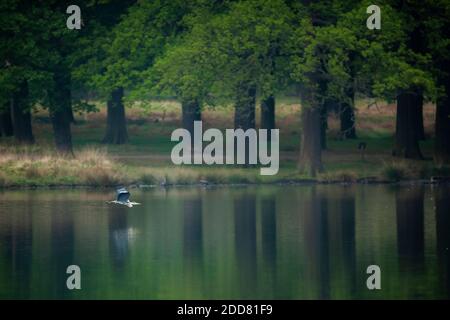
(362, 146)
(123, 198)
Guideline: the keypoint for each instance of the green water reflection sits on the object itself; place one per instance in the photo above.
(271, 242)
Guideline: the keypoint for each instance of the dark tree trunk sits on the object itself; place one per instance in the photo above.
(406, 132)
(6, 126)
(310, 160)
(442, 128)
(324, 125)
(268, 115)
(190, 112)
(244, 112)
(347, 116)
(61, 110)
(21, 115)
(71, 115)
(419, 118)
(116, 125)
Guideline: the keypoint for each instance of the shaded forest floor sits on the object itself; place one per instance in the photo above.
(146, 158)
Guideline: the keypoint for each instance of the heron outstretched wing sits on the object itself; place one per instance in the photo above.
(123, 195)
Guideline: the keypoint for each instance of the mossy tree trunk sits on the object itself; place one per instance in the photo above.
(116, 122)
(21, 115)
(407, 133)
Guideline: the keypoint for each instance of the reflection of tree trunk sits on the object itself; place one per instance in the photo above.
(193, 235)
(16, 240)
(316, 243)
(407, 133)
(268, 115)
(62, 246)
(442, 204)
(61, 110)
(347, 214)
(21, 115)
(116, 122)
(347, 115)
(410, 226)
(442, 125)
(245, 243)
(269, 232)
(6, 127)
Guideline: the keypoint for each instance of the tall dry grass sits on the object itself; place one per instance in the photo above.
(36, 166)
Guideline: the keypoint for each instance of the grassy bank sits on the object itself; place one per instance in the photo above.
(146, 159)
(34, 167)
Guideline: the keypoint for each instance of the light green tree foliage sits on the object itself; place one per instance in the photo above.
(244, 43)
(132, 45)
(385, 63)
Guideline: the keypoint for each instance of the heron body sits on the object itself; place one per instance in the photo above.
(123, 198)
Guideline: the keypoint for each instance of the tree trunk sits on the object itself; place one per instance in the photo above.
(310, 160)
(324, 125)
(21, 115)
(419, 118)
(268, 115)
(442, 128)
(6, 126)
(406, 132)
(116, 125)
(347, 116)
(190, 112)
(61, 110)
(244, 112)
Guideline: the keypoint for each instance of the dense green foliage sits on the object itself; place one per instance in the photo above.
(221, 52)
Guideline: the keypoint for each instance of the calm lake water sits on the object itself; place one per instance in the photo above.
(277, 242)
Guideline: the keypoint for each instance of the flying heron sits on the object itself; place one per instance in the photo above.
(123, 197)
